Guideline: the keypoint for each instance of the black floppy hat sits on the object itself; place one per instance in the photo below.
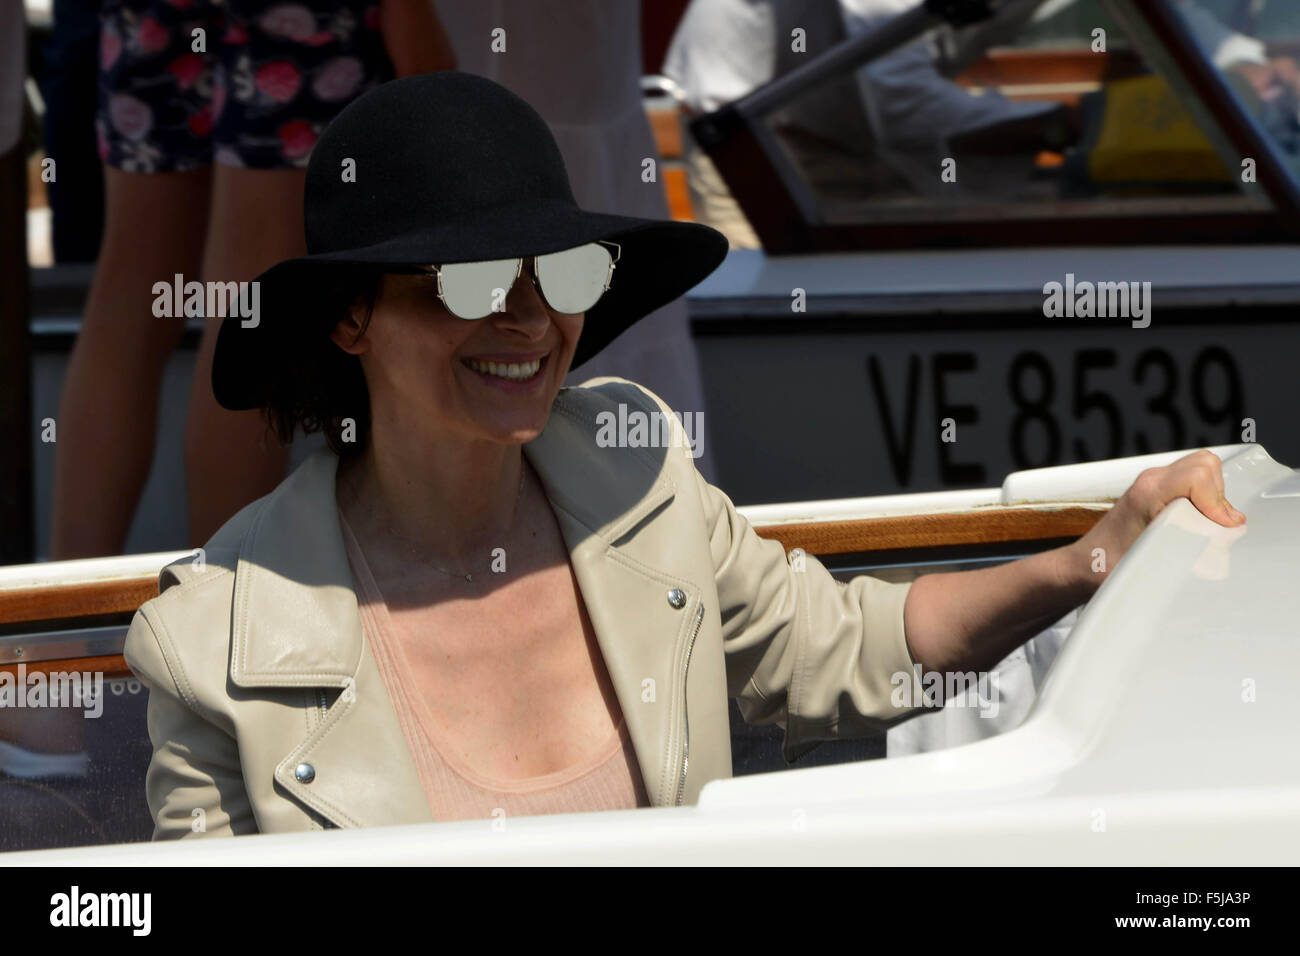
(441, 168)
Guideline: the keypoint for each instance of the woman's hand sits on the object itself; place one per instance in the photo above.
(414, 37)
(970, 620)
(1197, 477)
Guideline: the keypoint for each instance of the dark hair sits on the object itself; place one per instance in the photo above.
(320, 386)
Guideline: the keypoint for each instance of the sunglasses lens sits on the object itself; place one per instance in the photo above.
(573, 280)
(473, 290)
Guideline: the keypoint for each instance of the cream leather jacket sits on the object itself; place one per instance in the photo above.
(267, 712)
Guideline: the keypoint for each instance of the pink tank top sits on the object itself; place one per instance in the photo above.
(609, 779)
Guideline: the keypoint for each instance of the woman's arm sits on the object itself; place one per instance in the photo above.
(414, 37)
(970, 620)
(194, 785)
(821, 658)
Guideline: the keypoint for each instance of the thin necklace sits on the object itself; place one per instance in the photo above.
(467, 576)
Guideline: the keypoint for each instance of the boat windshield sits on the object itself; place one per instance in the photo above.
(1057, 122)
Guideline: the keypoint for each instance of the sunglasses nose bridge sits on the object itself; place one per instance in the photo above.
(528, 268)
(527, 272)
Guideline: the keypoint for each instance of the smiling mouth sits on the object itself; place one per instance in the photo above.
(510, 371)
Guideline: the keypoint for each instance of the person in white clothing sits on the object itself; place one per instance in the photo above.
(1246, 56)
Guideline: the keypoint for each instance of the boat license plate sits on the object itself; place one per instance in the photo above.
(832, 414)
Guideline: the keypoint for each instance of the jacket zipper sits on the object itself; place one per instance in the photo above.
(686, 722)
(326, 822)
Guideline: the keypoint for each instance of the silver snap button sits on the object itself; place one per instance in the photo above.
(305, 773)
(677, 598)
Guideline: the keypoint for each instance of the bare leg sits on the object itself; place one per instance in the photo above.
(230, 457)
(154, 228)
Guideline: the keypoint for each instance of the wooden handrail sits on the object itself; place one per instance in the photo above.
(83, 599)
(991, 525)
(110, 665)
(994, 525)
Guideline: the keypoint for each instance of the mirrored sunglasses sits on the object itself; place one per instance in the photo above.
(571, 280)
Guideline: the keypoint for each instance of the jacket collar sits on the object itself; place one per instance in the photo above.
(293, 576)
(293, 556)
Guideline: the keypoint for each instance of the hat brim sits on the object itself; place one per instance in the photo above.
(660, 260)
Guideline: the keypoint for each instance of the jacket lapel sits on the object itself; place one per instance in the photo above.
(295, 621)
(608, 501)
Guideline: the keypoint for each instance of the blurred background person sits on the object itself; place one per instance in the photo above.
(207, 115)
(1268, 85)
(580, 67)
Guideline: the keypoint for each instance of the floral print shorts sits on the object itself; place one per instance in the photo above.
(184, 83)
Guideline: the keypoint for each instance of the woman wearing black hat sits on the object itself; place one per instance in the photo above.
(470, 605)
